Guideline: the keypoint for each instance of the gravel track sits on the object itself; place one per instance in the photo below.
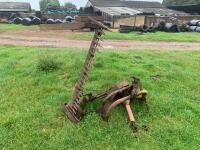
(59, 39)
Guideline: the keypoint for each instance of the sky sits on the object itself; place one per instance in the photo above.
(79, 3)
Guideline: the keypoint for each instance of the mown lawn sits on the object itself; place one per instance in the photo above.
(31, 100)
(158, 36)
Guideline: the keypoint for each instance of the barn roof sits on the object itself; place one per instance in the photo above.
(125, 3)
(118, 11)
(15, 7)
(161, 11)
(119, 7)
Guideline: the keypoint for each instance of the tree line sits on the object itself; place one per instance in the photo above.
(46, 5)
(180, 2)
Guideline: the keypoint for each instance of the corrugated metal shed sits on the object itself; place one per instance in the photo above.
(142, 4)
(125, 3)
(118, 11)
(14, 7)
(118, 7)
(160, 11)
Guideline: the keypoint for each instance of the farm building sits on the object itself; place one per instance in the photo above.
(8, 8)
(118, 12)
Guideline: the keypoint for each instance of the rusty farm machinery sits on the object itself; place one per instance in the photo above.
(123, 93)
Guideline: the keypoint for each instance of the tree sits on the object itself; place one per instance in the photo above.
(180, 2)
(53, 5)
(70, 6)
(45, 5)
(33, 10)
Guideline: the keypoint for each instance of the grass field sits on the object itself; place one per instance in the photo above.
(158, 36)
(31, 100)
(13, 27)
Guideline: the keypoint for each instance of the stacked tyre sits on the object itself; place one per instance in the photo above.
(69, 19)
(17, 20)
(27, 21)
(50, 21)
(128, 29)
(125, 29)
(58, 21)
(36, 21)
(171, 27)
(194, 26)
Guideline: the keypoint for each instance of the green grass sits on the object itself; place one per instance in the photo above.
(13, 27)
(31, 101)
(158, 36)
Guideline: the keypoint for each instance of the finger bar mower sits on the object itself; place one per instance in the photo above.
(122, 93)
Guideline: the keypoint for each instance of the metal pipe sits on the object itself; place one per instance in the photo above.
(129, 111)
(117, 91)
(117, 102)
(130, 115)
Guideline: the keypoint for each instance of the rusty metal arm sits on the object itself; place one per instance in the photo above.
(117, 102)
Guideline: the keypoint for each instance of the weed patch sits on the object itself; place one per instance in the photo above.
(47, 63)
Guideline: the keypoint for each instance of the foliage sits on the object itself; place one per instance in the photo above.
(45, 5)
(69, 6)
(33, 10)
(53, 5)
(31, 115)
(180, 2)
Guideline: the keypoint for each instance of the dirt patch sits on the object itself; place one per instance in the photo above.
(60, 39)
